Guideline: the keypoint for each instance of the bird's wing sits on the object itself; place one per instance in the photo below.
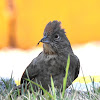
(32, 70)
(77, 69)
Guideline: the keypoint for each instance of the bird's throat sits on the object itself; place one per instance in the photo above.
(48, 49)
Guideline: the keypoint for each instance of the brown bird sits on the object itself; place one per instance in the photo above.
(53, 59)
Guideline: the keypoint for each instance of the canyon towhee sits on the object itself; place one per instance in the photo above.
(53, 59)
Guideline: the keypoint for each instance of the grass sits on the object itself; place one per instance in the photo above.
(7, 93)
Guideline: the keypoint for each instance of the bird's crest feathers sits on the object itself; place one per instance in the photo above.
(52, 27)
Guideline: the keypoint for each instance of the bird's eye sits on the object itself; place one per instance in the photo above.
(56, 36)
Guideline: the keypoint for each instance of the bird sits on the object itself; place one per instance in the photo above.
(53, 59)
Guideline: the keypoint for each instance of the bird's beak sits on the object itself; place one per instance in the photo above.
(44, 40)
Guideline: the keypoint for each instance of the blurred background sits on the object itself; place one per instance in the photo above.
(22, 24)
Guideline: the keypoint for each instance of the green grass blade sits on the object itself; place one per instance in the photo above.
(18, 92)
(53, 88)
(45, 91)
(85, 83)
(65, 78)
(92, 80)
(31, 85)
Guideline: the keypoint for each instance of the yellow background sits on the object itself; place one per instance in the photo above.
(80, 18)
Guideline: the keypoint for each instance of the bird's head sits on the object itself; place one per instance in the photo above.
(54, 39)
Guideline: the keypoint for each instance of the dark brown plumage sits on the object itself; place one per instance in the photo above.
(53, 59)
